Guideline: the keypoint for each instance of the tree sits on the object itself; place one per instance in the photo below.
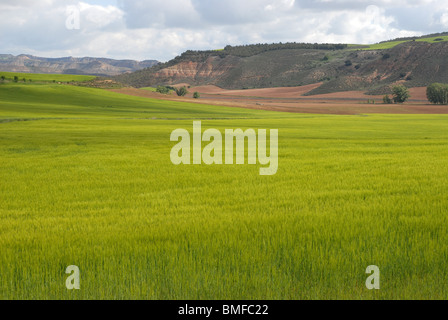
(387, 99)
(16, 79)
(181, 92)
(196, 95)
(401, 94)
(163, 90)
(437, 93)
(3, 78)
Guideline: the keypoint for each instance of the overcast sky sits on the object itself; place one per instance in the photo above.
(162, 29)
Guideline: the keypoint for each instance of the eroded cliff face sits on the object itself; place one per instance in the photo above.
(195, 72)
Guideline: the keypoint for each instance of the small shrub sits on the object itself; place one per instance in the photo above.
(387, 99)
(163, 90)
(182, 92)
(348, 63)
(196, 95)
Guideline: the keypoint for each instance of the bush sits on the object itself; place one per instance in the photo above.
(348, 63)
(181, 92)
(196, 95)
(387, 99)
(3, 78)
(437, 93)
(163, 90)
(16, 79)
(401, 94)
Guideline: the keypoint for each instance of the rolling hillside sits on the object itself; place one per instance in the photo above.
(412, 61)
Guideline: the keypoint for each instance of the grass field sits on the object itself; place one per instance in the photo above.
(46, 77)
(86, 180)
(150, 89)
(391, 44)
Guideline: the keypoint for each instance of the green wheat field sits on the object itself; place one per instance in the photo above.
(86, 180)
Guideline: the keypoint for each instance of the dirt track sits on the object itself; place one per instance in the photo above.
(292, 100)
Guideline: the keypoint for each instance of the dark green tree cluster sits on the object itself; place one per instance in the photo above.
(401, 94)
(163, 90)
(181, 92)
(437, 93)
(387, 99)
(254, 49)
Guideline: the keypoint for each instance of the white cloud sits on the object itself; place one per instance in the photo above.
(161, 29)
(99, 16)
(444, 19)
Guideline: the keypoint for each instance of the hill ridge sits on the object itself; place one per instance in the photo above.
(26, 63)
(417, 62)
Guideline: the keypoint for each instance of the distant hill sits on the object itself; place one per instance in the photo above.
(412, 61)
(70, 65)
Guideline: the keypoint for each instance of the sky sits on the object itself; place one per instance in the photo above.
(163, 29)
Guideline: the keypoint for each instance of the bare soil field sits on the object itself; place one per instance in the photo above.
(291, 99)
(280, 92)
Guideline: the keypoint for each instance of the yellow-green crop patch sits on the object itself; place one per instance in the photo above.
(45, 77)
(86, 180)
(151, 89)
(392, 44)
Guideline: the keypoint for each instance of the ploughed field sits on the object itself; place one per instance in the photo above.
(295, 100)
(86, 180)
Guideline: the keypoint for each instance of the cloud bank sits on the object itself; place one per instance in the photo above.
(162, 29)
